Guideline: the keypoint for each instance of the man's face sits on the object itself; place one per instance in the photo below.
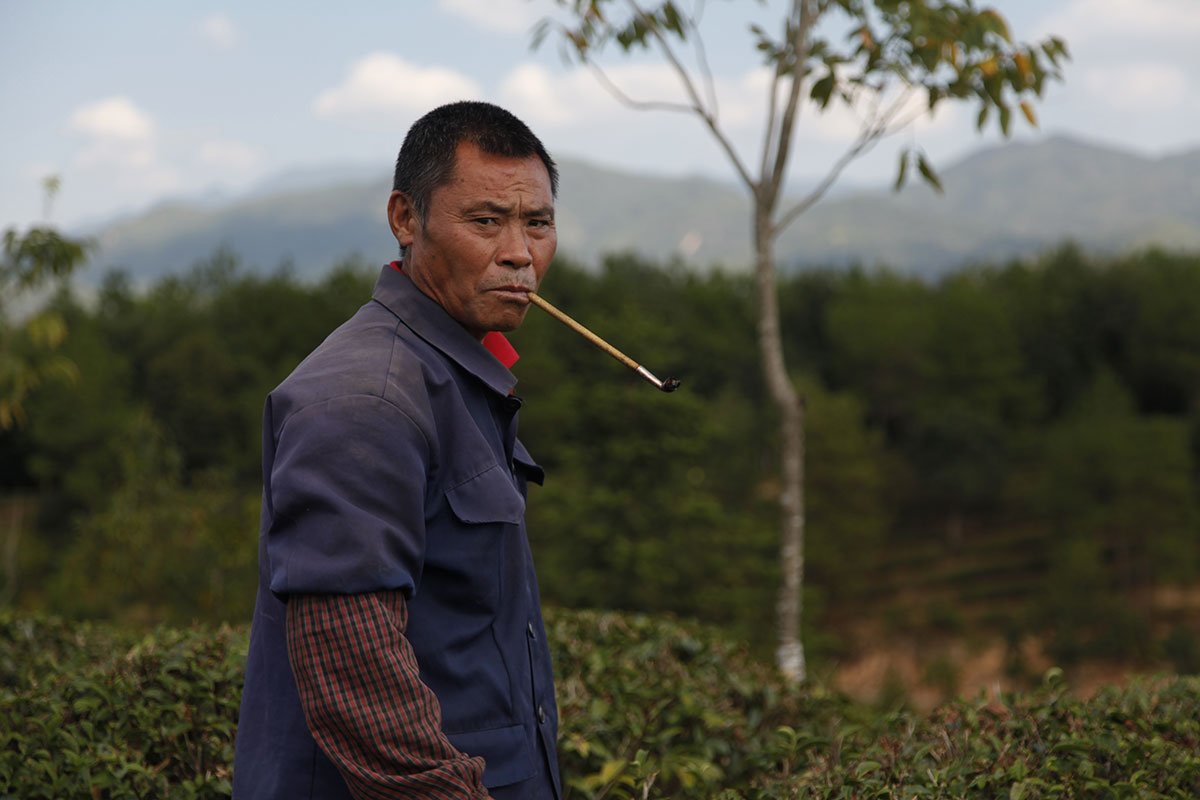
(487, 242)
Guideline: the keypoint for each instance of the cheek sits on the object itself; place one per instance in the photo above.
(545, 247)
(468, 266)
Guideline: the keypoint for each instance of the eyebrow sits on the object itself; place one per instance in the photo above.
(499, 209)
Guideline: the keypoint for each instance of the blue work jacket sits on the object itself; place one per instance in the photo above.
(391, 462)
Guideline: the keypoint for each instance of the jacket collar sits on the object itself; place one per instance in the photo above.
(428, 320)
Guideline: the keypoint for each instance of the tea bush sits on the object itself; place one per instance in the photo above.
(653, 703)
(1142, 741)
(650, 708)
(92, 711)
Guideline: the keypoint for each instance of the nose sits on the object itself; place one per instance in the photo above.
(514, 247)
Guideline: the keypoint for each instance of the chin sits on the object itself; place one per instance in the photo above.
(508, 323)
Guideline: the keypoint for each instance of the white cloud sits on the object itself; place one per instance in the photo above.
(117, 132)
(122, 166)
(577, 97)
(229, 155)
(1137, 87)
(1086, 20)
(133, 155)
(121, 147)
(219, 31)
(1131, 74)
(383, 84)
(535, 95)
(113, 119)
(742, 102)
(541, 97)
(501, 16)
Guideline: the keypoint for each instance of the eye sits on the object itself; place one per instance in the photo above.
(485, 221)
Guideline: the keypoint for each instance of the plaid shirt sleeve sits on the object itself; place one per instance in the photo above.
(365, 703)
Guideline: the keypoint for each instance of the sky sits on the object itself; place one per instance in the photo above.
(132, 102)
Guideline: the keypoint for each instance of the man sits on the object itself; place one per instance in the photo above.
(397, 648)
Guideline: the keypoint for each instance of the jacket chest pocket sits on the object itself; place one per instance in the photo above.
(487, 498)
(470, 553)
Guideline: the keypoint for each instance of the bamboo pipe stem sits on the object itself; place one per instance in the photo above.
(669, 385)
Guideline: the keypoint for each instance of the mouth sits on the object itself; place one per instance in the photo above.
(513, 293)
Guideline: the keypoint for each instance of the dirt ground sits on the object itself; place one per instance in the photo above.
(925, 671)
(926, 674)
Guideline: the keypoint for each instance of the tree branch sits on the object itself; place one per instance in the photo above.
(801, 12)
(639, 105)
(768, 148)
(879, 126)
(860, 145)
(710, 85)
(698, 106)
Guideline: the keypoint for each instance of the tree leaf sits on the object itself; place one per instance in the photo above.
(866, 40)
(1023, 66)
(928, 174)
(1027, 110)
(539, 34)
(902, 171)
(579, 41)
(822, 89)
(672, 20)
(996, 24)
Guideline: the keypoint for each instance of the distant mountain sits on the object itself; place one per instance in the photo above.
(1007, 201)
(1002, 202)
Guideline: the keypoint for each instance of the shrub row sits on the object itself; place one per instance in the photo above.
(651, 708)
(1142, 741)
(91, 711)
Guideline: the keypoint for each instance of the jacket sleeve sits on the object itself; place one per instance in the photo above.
(365, 703)
(344, 503)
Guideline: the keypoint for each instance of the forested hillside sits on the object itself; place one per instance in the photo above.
(1012, 451)
(1016, 199)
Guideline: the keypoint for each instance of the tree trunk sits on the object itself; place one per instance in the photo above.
(789, 653)
(12, 539)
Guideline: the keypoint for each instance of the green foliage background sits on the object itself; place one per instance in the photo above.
(1011, 451)
(650, 708)
(1013, 448)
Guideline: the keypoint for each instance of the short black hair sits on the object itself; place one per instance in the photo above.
(426, 159)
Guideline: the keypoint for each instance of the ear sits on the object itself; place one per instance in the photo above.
(403, 218)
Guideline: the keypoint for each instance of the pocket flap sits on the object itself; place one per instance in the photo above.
(489, 496)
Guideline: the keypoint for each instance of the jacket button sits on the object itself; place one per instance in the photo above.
(529, 629)
(541, 715)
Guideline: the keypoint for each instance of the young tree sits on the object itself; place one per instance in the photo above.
(878, 57)
(38, 258)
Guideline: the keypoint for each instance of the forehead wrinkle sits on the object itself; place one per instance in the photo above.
(490, 206)
(502, 209)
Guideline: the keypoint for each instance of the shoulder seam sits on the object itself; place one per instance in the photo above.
(380, 398)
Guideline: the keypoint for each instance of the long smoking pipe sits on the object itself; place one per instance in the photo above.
(668, 385)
